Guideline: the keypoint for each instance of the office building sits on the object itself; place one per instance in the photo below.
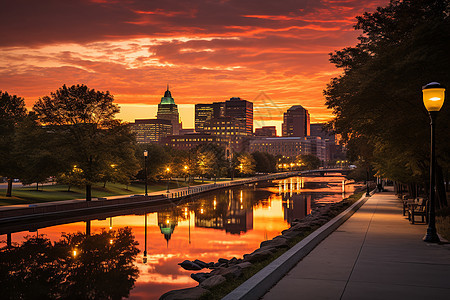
(296, 122)
(192, 140)
(150, 130)
(168, 110)
(269, 131)
(205, 112)
(241, 110)
(228, 127)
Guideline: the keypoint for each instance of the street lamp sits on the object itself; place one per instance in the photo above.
(433, 99)
(168, 179)
(145, 170)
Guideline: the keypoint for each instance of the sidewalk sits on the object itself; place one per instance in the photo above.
(376, 254)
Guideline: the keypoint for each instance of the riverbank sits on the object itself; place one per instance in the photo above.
(226, 276)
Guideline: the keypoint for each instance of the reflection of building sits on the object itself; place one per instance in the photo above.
(226, 211)
(150, 130)
(269, 131)
(296, 122)
(238, 218)
(167, 221)
(296, 206)
(168, 110)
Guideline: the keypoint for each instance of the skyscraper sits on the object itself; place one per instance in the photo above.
(241, 110)
(205, 112)
(168, 110)
(296, 122)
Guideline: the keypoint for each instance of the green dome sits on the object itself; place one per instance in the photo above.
(167, 99)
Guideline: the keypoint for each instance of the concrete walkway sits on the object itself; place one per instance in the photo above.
(376, 254)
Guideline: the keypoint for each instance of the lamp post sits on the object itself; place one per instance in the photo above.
(367, 182)
(168, 179)
(433, 99)
(186, 169)
(145, 170)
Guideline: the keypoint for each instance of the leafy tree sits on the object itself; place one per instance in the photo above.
(264, 162)
(377, 101)
(91, 138)
(157, 161)
(12, 113)
(246, 164)
(211, 160)
(309, 161)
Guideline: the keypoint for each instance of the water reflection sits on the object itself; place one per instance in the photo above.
(78, 266)
(224, 224)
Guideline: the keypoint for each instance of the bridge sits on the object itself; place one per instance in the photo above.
(326, 172)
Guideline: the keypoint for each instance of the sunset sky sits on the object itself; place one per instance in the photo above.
(273, 53)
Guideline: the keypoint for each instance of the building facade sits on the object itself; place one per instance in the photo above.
(205, 112)
(151, 130)
(168, 110)
(296, 122)
(289, 147)
(269, 131)
(232, 129)
(241, 110)
(192, 140)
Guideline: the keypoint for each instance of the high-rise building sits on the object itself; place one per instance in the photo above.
(151, 130)
(296, 122)
(205, 112)
(241, 110)
(168, 110)
(269, 131)
(231, 128)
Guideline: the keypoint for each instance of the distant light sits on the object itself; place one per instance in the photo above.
(74, 253)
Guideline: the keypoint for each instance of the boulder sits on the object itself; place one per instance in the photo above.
(185, 294)
(212, 281)
(200, 263)
(189, 265)
(229, 273)
(276, 243)
(244, 265)
(223, 260)
(233, 261)
(257, 256)
(200, 277)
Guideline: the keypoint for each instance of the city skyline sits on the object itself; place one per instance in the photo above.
(206, 51)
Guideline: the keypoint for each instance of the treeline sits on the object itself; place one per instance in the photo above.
(73, 136)
(377, 101)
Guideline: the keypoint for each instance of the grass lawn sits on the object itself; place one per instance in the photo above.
(57, 192)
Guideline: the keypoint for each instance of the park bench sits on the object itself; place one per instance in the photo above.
(406, 199)
(418, 207)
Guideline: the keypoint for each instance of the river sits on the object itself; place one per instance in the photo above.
(222, 224)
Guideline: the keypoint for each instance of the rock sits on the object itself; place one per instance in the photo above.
(217, 265)
(200, 263)
(211, 265)
(233, 261)
(200, 277)
(244, 265)
(290, 234)
(276, 242)
(301, 227)
(229, 273)
(257, 256)
(212, 281)
(189, 265)
(223, 260)
(185, 294)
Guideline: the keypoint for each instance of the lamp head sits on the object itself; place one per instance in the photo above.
(145, 153)
(433, 96)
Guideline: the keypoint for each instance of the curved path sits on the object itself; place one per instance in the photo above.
(376, 254)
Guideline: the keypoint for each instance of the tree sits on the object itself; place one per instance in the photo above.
(91, 137)
(12, 113)
(264, 162)
(309, 161)
(377, 101)
(246, 164)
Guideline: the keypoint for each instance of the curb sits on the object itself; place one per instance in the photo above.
(258, 285)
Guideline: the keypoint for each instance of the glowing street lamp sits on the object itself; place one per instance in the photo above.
(168, 179)
(433, 99)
